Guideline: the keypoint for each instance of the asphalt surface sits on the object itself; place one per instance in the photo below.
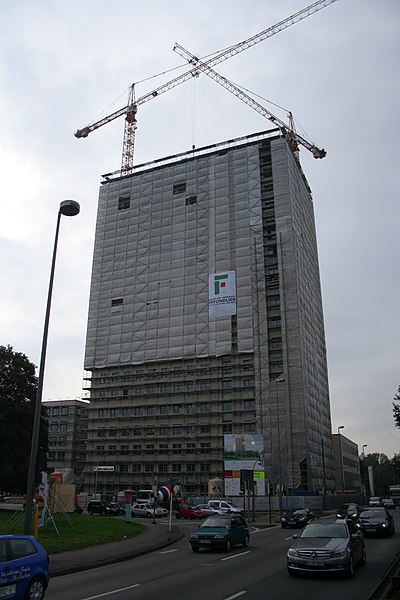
(154, 537)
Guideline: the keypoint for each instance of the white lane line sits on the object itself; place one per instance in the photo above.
(236, 595)
(236, 555)
(130, 587)
(168, 551)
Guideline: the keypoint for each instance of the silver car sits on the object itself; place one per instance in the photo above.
(327, 547)
(147, 510)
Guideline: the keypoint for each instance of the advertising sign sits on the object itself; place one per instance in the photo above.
(222, 294)
(243, 452)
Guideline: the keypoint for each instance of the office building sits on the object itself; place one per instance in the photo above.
(68, 422)
(205, 319)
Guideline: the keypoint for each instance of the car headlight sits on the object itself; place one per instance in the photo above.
(384, 525)
(194, 536)
(292, 552)
(339, 554)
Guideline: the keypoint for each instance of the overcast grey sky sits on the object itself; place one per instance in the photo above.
(64, 63)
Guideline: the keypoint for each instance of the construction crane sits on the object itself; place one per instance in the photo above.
(131, 108)
(294, 138)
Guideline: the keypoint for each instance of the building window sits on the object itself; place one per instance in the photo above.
(249, 405)
(227, 428)
(205, 407)
(179, 187)
(124, 202)
(248, 382)
(138, 411)
(164, 430)
(150, 449)
(227, 406)
(136, 468)
(177, 409)
(176, 448)
(163, 409)
(176, 467)
(190, 200)
(137, 431)
(176, 430)
(124, 468)
(162, 448)
(249, 427)
(190, 468)
(117, 301)
(163, 468)
(151, 410)
(226, 384)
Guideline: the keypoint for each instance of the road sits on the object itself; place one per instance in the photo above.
(254, 573)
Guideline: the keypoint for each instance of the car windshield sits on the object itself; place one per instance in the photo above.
(324, 530)
(216, 522)
(373, 514)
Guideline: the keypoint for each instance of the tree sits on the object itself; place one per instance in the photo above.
(18, 387)
(396, 408)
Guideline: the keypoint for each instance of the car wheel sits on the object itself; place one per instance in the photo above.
(228, 546)
(103, 512)
(363, 559)
(36, 589)
(148, 515)
(195, 549)
(350, 567)
(245, 542)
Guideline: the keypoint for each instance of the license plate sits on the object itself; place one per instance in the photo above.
(315, 563)
(205, 541)
(9, 591)
(373, 529)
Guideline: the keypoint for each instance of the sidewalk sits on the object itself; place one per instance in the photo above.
(153, 538)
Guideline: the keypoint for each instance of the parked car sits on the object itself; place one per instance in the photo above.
(296, 518)
(225, 506)
(78, 509)
(327, 547)
(24, 568)
(348, 511)
(388, 503)
(188, 511)
(377, 521)
(141, 509)
(207, 510)
(220, 532)
(115, 509)
(375, 501)
(97, 507)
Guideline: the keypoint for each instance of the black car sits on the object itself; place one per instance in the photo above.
(376, 521)
(296, 518)
(97, 507)
(348, 511)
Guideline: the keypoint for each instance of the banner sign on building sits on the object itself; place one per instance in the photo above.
(242, 452)
(222, 294)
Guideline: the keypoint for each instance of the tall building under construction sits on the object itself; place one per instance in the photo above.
(205, 319)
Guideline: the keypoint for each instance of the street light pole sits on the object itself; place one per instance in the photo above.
(341, 456)
(69, 208)
(363, 453)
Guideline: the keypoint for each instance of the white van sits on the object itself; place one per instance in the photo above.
(225, 507)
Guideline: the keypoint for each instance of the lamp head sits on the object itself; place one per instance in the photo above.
(69, 208)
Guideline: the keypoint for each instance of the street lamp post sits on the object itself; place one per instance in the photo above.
(69, 208)
(363, 453)
(341, 456)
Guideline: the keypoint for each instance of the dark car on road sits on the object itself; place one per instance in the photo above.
(376, 521)
(97, 507)
(327, 547)
(187, 511)
(221, 532)
(348, 511)
(296, 518)
(24, 568)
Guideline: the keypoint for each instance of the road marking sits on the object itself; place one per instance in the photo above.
(130, 587)
(236, 555)
(236, 595)
(169, 551)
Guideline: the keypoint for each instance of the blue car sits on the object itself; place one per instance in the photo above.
(221, 532)
(24, 568)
